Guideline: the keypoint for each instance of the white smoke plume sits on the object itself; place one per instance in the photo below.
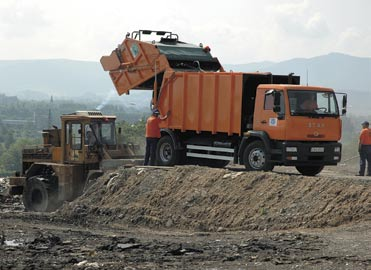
(106, 100)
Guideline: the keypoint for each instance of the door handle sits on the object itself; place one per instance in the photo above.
(263, 121)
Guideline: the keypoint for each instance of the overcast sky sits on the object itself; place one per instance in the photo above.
(238, 31)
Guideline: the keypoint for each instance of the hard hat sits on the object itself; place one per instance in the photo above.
(365, 123)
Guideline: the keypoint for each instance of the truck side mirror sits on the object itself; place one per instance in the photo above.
(344, 109)
(277, 102)
(276, 108)
(276, 99)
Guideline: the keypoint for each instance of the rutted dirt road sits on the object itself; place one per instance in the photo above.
(197, 218)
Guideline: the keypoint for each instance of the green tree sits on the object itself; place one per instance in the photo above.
(133, 132)
(11, 159)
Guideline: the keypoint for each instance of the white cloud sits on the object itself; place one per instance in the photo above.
(316, 26)
(242, 32)
(20, 19)
(297, 19)
(354, 40)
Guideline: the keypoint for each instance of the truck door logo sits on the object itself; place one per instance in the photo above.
(273, 122)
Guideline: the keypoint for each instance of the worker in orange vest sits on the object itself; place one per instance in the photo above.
(364, 149)
(153, 135)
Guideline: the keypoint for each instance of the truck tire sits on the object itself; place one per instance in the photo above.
(309, 170)
(38, 197)
(254, 157)
(166, 155)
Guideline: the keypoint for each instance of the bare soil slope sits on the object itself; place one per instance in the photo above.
(206, 199)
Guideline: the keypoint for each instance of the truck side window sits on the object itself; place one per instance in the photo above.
(76, 136)
(268, 102)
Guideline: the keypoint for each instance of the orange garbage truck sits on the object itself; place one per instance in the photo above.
(258, 119)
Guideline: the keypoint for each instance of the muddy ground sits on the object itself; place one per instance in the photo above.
(194, 217)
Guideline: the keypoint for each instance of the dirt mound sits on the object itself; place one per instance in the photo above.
(4, 186)
(8, 203)
(206, 199)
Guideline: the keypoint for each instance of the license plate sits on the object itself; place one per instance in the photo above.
(317, 149)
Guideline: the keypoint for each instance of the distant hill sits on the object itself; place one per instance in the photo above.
(54, 77)
(63, 79)
(84, 80)
(335, 70)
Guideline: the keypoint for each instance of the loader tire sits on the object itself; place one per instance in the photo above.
(166, 155)
(309, 170)
(38, 197)
(255, 157)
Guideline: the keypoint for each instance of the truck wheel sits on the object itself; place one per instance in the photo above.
(166, 154)
(37, 197)
(254, 157)
(309, 170)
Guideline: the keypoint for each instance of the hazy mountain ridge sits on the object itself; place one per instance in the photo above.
(58, 77)
(86, 80)
(335, 70)
(81, 81)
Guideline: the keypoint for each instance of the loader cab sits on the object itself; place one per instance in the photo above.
(86, 135)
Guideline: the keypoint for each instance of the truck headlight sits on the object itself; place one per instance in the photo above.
(337, 149)
(291, 149)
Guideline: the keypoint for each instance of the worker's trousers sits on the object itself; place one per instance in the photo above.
(150, 156)
(365, 155)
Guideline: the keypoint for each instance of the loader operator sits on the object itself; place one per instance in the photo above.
(364, 149)
(90, 138)
(153, 134)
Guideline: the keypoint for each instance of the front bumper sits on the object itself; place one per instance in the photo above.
(310, 153)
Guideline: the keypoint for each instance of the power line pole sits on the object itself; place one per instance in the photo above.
(50, 113)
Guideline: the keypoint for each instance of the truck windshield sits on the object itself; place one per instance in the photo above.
(313, 103)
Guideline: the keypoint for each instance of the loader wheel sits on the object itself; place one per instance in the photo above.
(254, 157)
(37, 197)
(166, 154)
(309, 170)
